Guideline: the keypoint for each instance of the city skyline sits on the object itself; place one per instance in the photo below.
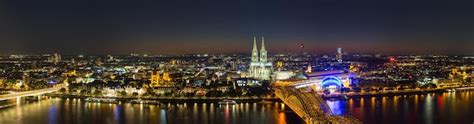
(236, 61)
(180, 27)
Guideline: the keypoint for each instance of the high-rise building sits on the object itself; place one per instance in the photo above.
(260, 67)
(339, 54)
(309, 69)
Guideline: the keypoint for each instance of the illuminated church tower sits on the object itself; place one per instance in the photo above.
(166, 75)
(260, 67)
(263, 52)
(161, 81)
(254, 51)
(155, 77)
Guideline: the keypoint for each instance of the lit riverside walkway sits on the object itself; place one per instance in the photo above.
(310, 106)
(32, 92)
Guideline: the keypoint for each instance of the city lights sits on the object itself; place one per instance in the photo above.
(236, 62)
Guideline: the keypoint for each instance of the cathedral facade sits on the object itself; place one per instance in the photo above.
(260, 68)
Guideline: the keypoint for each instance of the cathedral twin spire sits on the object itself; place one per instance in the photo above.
(263, 51)
(260, 68)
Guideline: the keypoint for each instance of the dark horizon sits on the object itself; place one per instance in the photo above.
(245, 54)
(185, 27)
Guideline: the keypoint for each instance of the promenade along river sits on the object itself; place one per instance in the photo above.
(451, 108)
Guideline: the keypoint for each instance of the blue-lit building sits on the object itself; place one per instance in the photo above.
(332, 81)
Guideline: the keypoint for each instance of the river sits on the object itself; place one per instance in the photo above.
(450, 108)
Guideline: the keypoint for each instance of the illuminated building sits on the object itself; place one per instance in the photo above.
(71, 73)
(354, 68)
(459, 75)
(155, 77)
(166, 76)
(55, 58)
(339, 54)
(247, 82)
(260, 67)
(279, 64)
(25, 78)
(283, 75)
(66, 80)
(331, 81)
(160, 81)
(309, 69)
(174, 62)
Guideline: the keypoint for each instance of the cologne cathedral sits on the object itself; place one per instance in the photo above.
(260, 67)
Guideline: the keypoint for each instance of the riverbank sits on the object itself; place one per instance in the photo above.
(396, 93)
(260, 99)
(170, 99)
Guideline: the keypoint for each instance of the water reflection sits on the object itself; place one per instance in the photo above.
(336, 106)
(76, 111)
(52, 115)
(428, 108)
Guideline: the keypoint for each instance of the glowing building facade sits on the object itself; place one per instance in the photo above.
(160, 81)
(155, 77)
(339, 54)
(260, 68)
(332, 81)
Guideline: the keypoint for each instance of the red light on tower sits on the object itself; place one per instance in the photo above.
(301, 46)
(392, 59)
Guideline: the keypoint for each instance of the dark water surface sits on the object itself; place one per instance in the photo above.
(449, 108)
(76, 111)
(433, 108)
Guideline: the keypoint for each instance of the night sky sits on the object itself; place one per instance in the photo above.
(228, 26)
